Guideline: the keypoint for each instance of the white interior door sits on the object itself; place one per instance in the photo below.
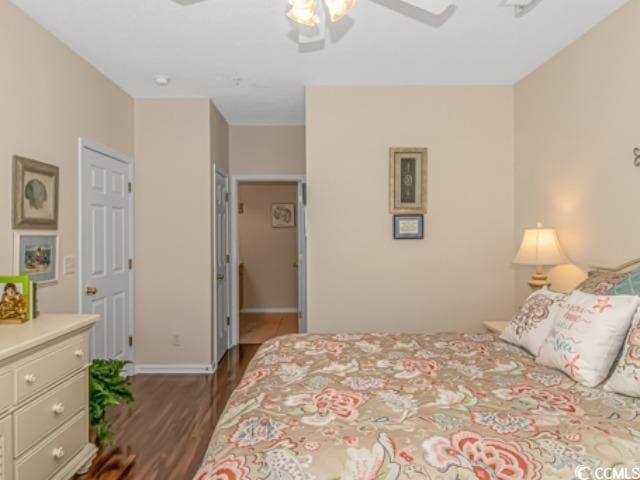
(302, 258)
(221, 265)
(105, 278)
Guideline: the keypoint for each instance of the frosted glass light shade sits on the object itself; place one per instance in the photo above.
(304, 12)
(540, 246)
(338, 9)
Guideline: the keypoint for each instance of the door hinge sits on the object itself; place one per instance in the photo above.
(228, 321)
(130, 263)
(130, 187)
(228, 258)
(299, 314)
(226, 197)
(130, 341)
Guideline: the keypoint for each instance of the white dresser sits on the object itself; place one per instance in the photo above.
(44, 392)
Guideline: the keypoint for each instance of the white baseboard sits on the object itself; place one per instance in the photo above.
(176, 369)
(270, 310)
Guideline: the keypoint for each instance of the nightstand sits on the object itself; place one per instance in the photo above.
(496, 326)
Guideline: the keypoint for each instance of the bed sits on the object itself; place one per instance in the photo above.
(388, 406)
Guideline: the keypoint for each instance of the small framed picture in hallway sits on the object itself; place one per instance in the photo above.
(283, 215)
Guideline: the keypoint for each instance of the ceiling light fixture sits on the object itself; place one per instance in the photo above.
(338, 9)
(304, 12)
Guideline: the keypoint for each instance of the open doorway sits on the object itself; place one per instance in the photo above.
(268, 260)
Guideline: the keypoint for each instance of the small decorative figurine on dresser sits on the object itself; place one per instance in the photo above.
(15, 299)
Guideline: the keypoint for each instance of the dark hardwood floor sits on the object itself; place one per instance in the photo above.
(165, 433)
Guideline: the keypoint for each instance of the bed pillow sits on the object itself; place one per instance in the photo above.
(601, 282)
(532, 322)
(630, 285)
(625, 378)
(587, 334)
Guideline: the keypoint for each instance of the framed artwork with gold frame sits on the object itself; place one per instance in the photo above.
(35, 194)
(408, 180)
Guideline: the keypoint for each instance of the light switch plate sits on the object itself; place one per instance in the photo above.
(68, 265)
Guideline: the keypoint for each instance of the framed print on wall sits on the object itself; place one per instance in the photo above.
(35, 194)
(283, 215)
(408, 227)
(408, 180)
(36, 256)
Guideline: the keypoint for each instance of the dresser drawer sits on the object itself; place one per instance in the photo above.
(46, 414)
(6, 450)
(6, 389)
(54, 453)
(49, 365)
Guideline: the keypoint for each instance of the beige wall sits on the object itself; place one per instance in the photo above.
(49, 97)
(219, 139)
(262, 150)
(461, 274)
(173, 231)
(576, 126)
(270, 280)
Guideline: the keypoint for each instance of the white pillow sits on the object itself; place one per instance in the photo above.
(587, 334)
(533, 321)
(625, 378)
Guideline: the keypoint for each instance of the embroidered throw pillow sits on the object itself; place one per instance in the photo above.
(600, 282)
(533, 321)
(625, 378)
(587, 334)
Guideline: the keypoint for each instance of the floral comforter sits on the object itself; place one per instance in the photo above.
(384, 406)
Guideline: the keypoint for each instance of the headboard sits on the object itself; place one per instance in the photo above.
(625, 267)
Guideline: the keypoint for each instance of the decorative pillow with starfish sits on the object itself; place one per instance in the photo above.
(587, 335)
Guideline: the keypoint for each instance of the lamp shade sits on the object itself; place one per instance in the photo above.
(540, 246)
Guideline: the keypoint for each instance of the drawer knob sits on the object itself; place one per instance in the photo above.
(30, 378)
(79, 353)
(58, 409)
(58, 453)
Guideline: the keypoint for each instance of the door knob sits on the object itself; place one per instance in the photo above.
(220, 276)
(91, 290)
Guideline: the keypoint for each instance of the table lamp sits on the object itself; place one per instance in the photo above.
(540, 247)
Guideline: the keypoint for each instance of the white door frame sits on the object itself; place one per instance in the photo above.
(235, 181)
(214, 264)
(106, 151)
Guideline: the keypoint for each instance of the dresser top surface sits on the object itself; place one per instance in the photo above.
(15, 339)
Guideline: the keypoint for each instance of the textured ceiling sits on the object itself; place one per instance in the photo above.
(248, 58)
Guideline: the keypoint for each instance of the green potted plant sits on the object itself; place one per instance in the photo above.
(107, 387)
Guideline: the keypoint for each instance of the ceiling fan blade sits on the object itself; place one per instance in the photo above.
(187, 3)
(522, 7)
(431, 12)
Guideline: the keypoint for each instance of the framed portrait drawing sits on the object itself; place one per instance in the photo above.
(408, 180)
(408, 227)
(36, 256)
(35, 194)
(283, 215)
